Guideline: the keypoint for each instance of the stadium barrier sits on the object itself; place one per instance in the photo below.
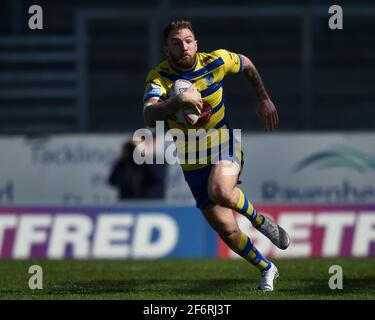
(285, 168)
(55, 201)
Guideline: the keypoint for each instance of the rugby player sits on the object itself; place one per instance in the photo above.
(215, 191)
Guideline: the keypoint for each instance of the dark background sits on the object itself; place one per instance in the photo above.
(85, 71)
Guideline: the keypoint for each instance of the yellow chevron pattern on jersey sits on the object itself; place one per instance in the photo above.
(207, 76)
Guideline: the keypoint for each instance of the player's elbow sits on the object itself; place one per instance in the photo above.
(246, 62)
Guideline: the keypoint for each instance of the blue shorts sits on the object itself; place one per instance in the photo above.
(198, 183)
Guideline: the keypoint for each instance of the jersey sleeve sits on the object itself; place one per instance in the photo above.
(154, 87)
(232, 61)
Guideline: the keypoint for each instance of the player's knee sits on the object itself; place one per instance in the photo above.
(220, 195)
(231, 237)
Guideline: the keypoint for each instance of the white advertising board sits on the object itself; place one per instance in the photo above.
(279, 168)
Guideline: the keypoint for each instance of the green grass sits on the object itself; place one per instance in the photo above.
(184, 279)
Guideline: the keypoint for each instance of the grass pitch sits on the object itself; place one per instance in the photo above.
(185, 279)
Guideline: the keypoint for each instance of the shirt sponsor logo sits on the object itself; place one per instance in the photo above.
(206, 59)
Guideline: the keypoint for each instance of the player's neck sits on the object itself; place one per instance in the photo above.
(182, 70)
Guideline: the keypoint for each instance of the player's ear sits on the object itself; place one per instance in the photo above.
(196, 45)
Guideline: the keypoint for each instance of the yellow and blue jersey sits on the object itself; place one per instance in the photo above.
(208, 78)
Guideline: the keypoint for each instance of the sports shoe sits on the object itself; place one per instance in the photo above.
(268, 278)
(278, 236)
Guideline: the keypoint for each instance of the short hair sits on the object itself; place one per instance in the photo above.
(177, 24)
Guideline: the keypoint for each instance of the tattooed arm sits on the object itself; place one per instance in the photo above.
(266, 110)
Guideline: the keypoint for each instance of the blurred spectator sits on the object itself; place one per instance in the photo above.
(135, 181)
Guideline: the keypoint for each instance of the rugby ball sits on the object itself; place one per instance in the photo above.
(185, 116)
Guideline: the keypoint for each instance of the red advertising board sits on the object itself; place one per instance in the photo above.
(315, 231)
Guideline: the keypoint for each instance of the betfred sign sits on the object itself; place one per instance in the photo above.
(135, 232)
(102, 233)
(316, 231)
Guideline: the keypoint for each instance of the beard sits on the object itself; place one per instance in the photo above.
(184, 62)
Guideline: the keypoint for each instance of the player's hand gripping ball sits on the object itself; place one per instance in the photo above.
(189, 115)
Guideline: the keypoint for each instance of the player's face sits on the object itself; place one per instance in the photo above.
(181, 48)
